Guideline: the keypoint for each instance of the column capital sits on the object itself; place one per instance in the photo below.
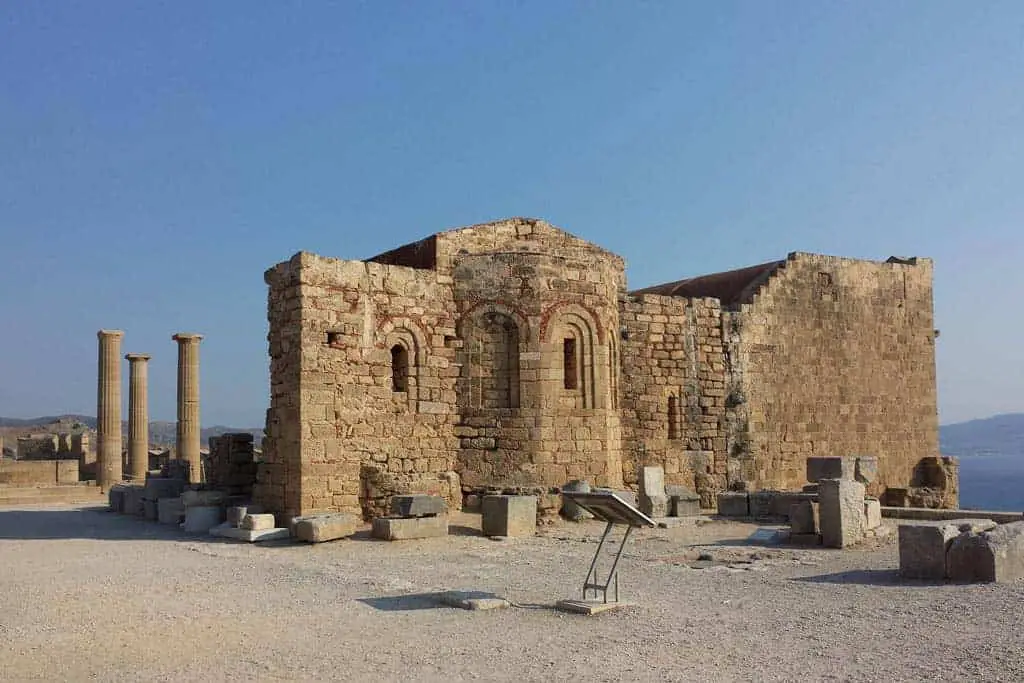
(137, 356)
(187, 337)
(110, 333)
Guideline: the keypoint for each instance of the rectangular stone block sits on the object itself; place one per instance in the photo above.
(866, 469)
(684, 507)
(409, 528)
(625, 494)
(170, 511)
(327, 527)
(760, 503)
(159, 487)
(417, 505)
(830, 467)
(841, 512)
(652, 481)
(134, 501)
(733, 504)
(782, 501)
(236, 513)
(990, 555)
(654, 506)
(115, 498)
(150, 510)
(257, 522)
(225, 530)
(872, 513)
(804, 518)
(202, 498)
(202, 518)
(923, 548)
(509, 516)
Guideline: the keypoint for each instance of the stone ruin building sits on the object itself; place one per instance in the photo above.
(512, 355)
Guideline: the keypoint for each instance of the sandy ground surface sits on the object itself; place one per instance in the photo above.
(89, 595)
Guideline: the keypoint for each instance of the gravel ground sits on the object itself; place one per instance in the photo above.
(88, 595)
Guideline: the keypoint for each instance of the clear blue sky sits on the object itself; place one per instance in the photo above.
(156, 158)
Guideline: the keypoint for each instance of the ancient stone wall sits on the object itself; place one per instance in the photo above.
(674, 391)
(362, 383)
(38, 447)
(231, 464)
(39, 472)
(834, 356)
(538, 314)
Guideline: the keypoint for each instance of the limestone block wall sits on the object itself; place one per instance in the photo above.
(674, 390)
(231, 464)
(537, 390)
(835, 356)
(362, 383)
(39, 472)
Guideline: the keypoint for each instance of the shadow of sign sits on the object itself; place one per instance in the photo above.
(418, 601)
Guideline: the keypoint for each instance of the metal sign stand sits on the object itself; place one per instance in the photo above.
(591, 583)
(612, 510)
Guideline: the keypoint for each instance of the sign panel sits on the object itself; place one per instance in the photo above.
(608, 507)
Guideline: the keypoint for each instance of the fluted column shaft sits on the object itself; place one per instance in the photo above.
(138, 415)
(108, 410)
(188, 429)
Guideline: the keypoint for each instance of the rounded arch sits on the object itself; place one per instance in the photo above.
(492, 338)
(481, 308)
(569, 310)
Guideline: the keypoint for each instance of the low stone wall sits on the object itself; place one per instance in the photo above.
(39, 472)
(932, 514)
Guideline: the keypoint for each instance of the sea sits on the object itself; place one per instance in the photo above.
(992, 482)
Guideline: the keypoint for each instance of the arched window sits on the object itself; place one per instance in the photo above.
(399, 368)
(570, 364)
(673, 417)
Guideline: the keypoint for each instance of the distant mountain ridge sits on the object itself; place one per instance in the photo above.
(996, 435)
(160, 432)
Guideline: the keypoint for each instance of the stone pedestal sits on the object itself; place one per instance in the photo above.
(202, 518)
(653, 501)
(138, 416)
(841, 512)
(188, 429)
(108, 410)
(509, 516)
(170, 511)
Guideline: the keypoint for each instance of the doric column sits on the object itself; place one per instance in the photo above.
(108, 410)
(188, 403)
(138, 415)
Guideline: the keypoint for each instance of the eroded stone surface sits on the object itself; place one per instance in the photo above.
(996, 555)
(841, 512)
(733, 504)
(326, 527)
(509, 516)
(409, 528)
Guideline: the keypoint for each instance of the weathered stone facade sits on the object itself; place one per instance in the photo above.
(511, 355)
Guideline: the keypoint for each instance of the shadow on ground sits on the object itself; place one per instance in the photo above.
(418, 601)
(868, 577)
(96, 523)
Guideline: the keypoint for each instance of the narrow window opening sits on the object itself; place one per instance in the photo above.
(673, 418)
(399, 368)
(334, 338)
(569, 366)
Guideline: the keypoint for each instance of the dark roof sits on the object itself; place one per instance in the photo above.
(729, 287)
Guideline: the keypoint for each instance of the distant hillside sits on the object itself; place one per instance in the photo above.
(162, 433)
(997, 435)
